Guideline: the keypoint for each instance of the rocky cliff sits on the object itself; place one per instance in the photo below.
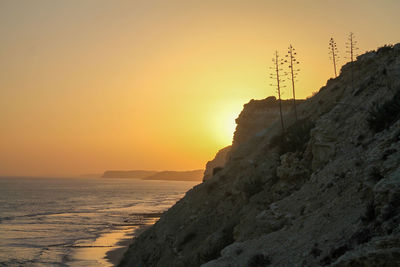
(325, 192)
(256, 116)
(216, 164)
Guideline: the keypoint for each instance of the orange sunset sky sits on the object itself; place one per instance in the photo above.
(91, 85)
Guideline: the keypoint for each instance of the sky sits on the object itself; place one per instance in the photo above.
(94, 85)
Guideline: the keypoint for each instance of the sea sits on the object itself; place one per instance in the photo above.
(77, 221)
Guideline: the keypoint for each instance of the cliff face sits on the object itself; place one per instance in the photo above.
(256, 116)
(218, 162)
(327, 192)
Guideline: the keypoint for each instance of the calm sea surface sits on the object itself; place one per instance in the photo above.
(75, 221)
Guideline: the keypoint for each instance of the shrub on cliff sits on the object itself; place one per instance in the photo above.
(384, 49)
(295, 138)
(383, 116)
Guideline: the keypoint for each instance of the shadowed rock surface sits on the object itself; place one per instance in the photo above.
(325, 193)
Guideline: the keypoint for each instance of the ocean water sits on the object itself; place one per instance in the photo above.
(76, 221)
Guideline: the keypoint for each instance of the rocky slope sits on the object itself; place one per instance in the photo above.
(327, 192)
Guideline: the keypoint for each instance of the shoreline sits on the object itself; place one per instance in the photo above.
(108, 248)
(115, 255)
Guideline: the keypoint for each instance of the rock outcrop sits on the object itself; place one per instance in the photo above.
(326, 192)
(217, 163)
(256, 117)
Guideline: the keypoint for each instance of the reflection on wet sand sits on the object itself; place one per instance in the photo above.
(108, 248)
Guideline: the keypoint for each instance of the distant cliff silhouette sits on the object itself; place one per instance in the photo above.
(193, 175)
(138, 174)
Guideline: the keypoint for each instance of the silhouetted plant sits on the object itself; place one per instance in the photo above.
(293, 72)
(351, 46)
(276, 69)
(383, 116)
(295, 138)
(334, 54)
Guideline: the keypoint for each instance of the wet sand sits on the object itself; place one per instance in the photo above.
(109, 248)
(94, 253)
(115, 255)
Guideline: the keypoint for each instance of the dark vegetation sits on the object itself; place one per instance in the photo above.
(334, 254)
(214, 249)
(383, 116)
(384, 49)
(253, 187)
(375, 174)
(294, 139)
(216, 170)
(369, 214)
(259, 260)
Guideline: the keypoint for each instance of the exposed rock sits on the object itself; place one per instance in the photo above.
(258, 115)
(219, 161)
(334, 200)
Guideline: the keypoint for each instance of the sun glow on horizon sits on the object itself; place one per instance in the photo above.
(225, 124)
(87, 86)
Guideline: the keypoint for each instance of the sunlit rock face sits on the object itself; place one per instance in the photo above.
(256, 116)
(327, 193)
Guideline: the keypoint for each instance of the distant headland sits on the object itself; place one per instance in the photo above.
(192, 175)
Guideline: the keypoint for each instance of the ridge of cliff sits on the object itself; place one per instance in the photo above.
(326, 192)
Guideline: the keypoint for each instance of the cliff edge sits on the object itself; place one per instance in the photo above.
(324, 193)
